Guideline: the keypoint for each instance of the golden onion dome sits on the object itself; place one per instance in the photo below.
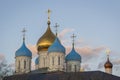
(46, 40)
(108, 64)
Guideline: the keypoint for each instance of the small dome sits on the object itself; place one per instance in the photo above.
(37, 61)
(46, 40)
(56, 46)
(23, 51)
(73, 55)
(108, 64)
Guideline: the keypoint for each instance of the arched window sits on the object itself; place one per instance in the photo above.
(75, 68)
(52, 60)
(59, 60)
(44, 61)
(30, 65)
(18, 65)
(24, 64)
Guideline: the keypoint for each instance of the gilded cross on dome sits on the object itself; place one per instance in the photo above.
(73, 37)
(108, 51)
(24, 31)
(49, 11)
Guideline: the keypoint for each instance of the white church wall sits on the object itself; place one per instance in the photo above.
(108, 70)
(23, 64)
(43, 59)
(73, 66)
(56, 61)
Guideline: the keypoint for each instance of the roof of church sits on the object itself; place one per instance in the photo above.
(91, 75)
(56, 46)
(23, 51)
(73, 55)
(37, 60)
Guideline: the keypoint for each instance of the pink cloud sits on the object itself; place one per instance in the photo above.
(86, 67)
(80, 41)
(116, 62)
(87, 52)
(64, 32)
(33, 49)
(2, 58)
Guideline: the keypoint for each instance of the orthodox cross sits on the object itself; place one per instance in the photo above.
(56, 26)
(24, 31)
(73, 37)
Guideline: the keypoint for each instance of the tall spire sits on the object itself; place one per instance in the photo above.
(73, 37)
(49, 12)
(56, 26)
(24, 31)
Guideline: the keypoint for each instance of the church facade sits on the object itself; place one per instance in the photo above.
(51, 55)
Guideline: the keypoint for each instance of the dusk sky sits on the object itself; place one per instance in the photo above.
(96, 23)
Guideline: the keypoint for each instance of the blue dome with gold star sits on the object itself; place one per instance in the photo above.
(37, 61)
(23, 51)
(56, 46)
(73, 56)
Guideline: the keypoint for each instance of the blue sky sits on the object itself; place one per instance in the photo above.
(96, 24)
